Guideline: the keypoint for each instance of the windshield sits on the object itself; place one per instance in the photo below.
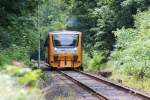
(65, 40)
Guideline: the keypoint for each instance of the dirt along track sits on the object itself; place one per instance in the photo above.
(54, 86)
(59, 87)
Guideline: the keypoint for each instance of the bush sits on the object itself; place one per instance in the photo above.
(25, 76)
(132, 56)
(125, 37)
(13, 53)
(16, 70)
(96, 63)
(3, 59)
(30, 78)
(12, 70)
(134, 59)
(142, 20)
(85, 59)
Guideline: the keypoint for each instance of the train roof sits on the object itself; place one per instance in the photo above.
(60, 32)
(65, 32)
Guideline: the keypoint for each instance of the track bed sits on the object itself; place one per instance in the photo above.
(102, 89)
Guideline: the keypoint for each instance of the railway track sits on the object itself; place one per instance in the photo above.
(102, 88)
(57, 85)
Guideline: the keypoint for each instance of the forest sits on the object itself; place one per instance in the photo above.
(116, 33)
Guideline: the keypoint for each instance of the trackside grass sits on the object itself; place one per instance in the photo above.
(19, 83)
(131, 81)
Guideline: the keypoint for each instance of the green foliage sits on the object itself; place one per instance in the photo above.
(97, 62)
(133, 48)
(142, 23)
(25, 76)
(13, 53)
(30, 78)
(52, 15)
(3, 60)
(17, 31)
(58, 26)
(82, 10)
(85, 59)
(98, 18)
(22, 24)
(125, 37)
(13, 70)
(131, 81)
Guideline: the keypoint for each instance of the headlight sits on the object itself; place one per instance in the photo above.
(74, 50)
(56, 51)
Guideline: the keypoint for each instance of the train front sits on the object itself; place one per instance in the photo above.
(66, 50)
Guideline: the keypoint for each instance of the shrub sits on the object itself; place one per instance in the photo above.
(16, 70)
(142, 23)
(25, 76)
(13, 53)
(134, 58)
(125, 37)
(18, 53)
(85, 59)
(96, 63)
(12, 70)
(3, 60)
(30, 78)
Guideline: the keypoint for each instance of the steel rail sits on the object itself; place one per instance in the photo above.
(87, 88)
(105, 81)
(117, 85)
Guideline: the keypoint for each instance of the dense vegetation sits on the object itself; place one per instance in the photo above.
(116, 32)
(133, 54)
(109, 26)
(22, 22)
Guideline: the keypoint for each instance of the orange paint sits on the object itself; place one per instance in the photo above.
(64, 58)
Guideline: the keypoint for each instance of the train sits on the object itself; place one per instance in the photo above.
(64, 49)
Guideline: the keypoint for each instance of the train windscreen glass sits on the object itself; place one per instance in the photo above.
(65, 40)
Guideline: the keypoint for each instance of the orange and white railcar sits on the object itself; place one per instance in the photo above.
(64, 49)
